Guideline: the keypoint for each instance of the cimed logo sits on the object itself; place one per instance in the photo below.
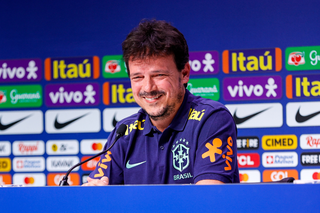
(180, 153)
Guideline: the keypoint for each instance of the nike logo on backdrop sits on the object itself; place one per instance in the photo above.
(58, 125)
(114, 121)
(6, 126)
(303, 118)
(129, 166)
(244, 119)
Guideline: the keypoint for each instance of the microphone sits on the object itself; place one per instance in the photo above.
(120, 132)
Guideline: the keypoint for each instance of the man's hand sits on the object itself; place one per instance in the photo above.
(209, 182)
(104, 181)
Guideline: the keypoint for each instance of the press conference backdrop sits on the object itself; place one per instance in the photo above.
(64, 86)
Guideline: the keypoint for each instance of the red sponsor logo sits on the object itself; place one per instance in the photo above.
(96, 146)
(90, 165)
(269, 159)
(250, 160)
(316, 176)
(313, 142)
(27, 148)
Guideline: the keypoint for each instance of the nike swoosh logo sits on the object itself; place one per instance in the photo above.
(58, 125)
(303, 118)
(6, 126)
(244, 119)
(129, 166)
(114, 121)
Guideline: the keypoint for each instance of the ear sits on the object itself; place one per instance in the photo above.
(185, 73)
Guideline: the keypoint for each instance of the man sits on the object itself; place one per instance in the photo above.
(176, 138)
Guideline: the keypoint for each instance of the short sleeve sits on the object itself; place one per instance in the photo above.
(216, 155)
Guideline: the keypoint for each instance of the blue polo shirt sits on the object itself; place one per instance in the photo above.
(200, 143)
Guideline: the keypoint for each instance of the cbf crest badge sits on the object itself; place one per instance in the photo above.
(180, 154)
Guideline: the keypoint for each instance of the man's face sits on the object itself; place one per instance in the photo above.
(157, 85)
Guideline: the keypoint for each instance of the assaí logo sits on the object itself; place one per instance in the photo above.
(303, 58)
(118, 93)
(20, 96)
(252, 61)
(280, 159)
(81, 94)
(62, 147)
(75, 68)
(303, 86)
(204, 63)
(205, 87)
(20, 70)
(252, 88)
(114, 67)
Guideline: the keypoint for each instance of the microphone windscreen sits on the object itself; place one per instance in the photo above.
(122, 130)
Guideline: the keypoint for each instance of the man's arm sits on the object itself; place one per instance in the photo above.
(209, 182)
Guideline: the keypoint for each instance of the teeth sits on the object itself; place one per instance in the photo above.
(150, 99)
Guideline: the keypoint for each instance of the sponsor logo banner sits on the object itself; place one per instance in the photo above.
(247, 143)
(249, 176)
(205, 87)
(248, 160)
(29, 179)
(75, 68)
(303, 86)
(61, 163)
(310, 159)
(310, 174)
(276, 142)
(256, 115)
(24, 164)
(303, 114)
(204, 63)
(20, 96)
(113, 66)
(62, 147)
(92, 146)
(28, 148)
(252, 88)
(90, 165)
(276, 175)
(73, 120)
(20, 70)
(5, 148)
(5, 179)
(111, 116)
(252, 61)
(310, 141)
(118, 94)
(303, 58)
(280, 159)
(21, 122)
(53, 179)
(84, 178)
(5, 164)
(82, 94)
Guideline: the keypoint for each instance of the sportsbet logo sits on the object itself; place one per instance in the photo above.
(257, 60)
(53, 179)
(72, 68)
(20, 96)
(90, 165)
(205, 87)
(275, 175)
(303, 86)
(5, 179)
(113, 66)
(276, 142)
(303, 58)
(117, 93)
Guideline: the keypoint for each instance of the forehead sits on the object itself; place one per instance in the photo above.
(155, 62)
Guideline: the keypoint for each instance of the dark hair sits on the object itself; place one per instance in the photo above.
(155, 38)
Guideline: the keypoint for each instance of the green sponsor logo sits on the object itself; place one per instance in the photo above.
(205, 87)
(20, 96)
(303, 58)
(113, 66)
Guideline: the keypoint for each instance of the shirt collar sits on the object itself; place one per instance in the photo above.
(180, 119)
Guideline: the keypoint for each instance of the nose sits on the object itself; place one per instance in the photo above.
(148, 84)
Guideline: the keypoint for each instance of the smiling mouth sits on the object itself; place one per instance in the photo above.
(153, 98)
